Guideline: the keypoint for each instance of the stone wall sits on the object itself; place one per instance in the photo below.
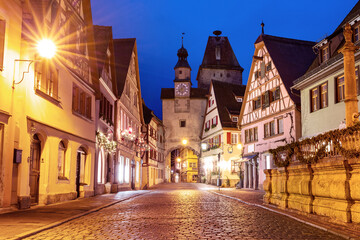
(331, 187)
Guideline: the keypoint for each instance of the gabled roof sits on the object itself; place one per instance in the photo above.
(102, 36)
(353, 13)
(168, 93)
(336, 41)
(291, 58)
(123, 49)
(149, 114)
(227, 56)
(226, 103)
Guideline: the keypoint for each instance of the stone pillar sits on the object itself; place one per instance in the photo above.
(246, 177)
(251, 174)
(351, 101)
(267, 186)
(299, 188)
(354, 185)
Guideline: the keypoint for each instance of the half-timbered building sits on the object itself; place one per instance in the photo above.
(270, 116)
(155, 169)
(104, 112)
(220, 136)
(128, 114)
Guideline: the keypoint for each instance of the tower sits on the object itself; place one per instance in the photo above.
(219, 63)
(182, 74)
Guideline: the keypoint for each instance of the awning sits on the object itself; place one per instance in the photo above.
(249, 157)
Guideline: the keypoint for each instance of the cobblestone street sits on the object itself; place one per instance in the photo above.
(183, 211)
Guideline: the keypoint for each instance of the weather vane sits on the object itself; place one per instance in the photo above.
(182, 39)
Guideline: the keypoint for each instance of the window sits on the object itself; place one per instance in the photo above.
(121, 170)
(325, 54)
(2, 43)
(234, 138)
(182, 123)
(82, 102)
(135, 99)
(127, 170)
(272, 128)
(137, 172)
(324, 95)
(46, 78)
(314, 99)
(214, 121)
(280, 125)
(61, 161)
(340, 88)
(269, 129)
(180, 72)
(266, 130)
(257, 103)
(276, 93)
(266, 99)
(251, 135)
(239, 99)
(357, 33)
(268, 66)
(267, 162)
(217, 53)
(235, 119)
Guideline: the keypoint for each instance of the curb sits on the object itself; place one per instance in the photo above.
(58, 223)
(287, 215)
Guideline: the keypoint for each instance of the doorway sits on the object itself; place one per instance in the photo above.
(133, 174)
(35, 153)
(80, 169)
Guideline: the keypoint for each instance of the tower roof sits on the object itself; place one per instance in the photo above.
(227, 56)
(182, 55)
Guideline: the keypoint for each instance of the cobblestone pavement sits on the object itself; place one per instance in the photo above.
(183, 211)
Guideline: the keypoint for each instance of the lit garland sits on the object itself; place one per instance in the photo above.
(320, 144)
(103, 141)
(128, 135)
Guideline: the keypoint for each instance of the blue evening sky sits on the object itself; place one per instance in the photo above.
(157, 25)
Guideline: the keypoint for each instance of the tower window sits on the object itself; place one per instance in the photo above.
(180, 72)
(182, 123)
(217, 53)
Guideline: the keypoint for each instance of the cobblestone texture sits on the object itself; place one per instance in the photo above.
(185, 213)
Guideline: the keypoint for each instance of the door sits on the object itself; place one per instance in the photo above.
(35, 152)
(132, 174)
(77, 182)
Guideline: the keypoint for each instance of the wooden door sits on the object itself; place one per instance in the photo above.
(35, 153)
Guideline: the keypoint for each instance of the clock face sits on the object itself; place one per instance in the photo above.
(182, 89)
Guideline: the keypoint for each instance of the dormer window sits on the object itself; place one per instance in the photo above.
(325, 55)
(239, 99)
(234, 118)
(357, 33)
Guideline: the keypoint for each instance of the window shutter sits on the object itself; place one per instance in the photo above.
(228, 137)
(216, 120)
(209, 103)
(219, 139)
(2, 43)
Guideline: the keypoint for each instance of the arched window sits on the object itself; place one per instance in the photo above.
(62, 161)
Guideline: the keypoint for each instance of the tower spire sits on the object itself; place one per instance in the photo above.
(262, 27)
(182, 39)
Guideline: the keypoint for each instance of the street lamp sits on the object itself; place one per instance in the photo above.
(184, 141)
(46, 49)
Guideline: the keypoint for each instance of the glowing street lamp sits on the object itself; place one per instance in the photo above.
(46, 49)
(184, 141)
(239, 146)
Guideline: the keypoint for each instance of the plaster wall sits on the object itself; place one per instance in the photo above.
(223, 75)
(328, 118)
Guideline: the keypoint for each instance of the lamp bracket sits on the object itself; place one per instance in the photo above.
(30, 61)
